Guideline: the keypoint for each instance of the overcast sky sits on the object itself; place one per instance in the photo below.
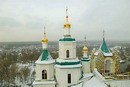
(23, 20)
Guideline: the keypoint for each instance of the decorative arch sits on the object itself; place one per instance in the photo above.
(44, 74)
(108, 65)
(67, 53)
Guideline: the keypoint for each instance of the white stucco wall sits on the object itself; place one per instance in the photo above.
(41, 85)
(85, 54)
(67, 45)
(66, 31)
(85, 67)
(48, 67)
(62, 75)
(44, 45)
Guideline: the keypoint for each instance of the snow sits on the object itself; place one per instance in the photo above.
(87, 75)
(49, 61)
(122, 61)
(45, 82)
(45, 62)
(30, 78)
(68, 60)
(94, 82)
(98, 75)
(78, 85)
(68, 66)
(105, 54)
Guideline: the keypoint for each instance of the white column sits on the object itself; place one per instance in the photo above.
(66, 31)
(44, 45)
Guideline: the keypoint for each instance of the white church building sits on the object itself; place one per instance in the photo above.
(68, 70)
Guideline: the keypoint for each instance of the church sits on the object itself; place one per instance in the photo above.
(68, 70)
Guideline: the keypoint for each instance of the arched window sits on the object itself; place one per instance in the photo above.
(108, 66)
(44, 74)
(67, 53)
(69, 78)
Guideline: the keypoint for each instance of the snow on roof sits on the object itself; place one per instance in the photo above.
(104, 49)
(105, 54)
(77, 85)
(45, 62)
(68, 66)
(98, 75)
(68, 60)
(94, 82)
(87, 75)
(45, 58)
(44, 82)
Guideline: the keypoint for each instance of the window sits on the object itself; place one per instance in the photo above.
(67, 53)
(107, 66)
(44, 74)
(69, 78)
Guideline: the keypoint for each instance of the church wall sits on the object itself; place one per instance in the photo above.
(67, 45)
(48, 67)
(61, 76)
(112, 66)
(86, 67)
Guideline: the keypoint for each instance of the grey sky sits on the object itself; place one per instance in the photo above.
(23, 20)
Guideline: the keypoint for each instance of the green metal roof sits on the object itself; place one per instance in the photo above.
(67, 39)
(104, 47)
(85, 59)
(68, 63)
(44, 55)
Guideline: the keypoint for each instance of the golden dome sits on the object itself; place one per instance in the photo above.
(67, 25)
(44, 39)
(85, 49)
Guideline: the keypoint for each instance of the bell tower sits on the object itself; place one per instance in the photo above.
(67, 65)
(67, 44)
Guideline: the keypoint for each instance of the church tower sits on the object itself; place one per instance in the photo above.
(106, 61)
(67, 65)
(44, 67)
(85, 60)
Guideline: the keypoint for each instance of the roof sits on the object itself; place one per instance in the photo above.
(44, 55)
(45, 58)
(44, 83)
(104, 47)
(67, 39)
(94, 82)
(85, 59)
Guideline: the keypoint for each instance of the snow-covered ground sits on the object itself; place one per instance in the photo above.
(30, 78)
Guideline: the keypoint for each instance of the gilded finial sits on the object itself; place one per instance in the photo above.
(85, 49)
(44, 39)
(66, 14)
(67, 25)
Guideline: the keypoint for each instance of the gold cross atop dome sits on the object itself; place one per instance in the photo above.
(44, 39)
(67, 25)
